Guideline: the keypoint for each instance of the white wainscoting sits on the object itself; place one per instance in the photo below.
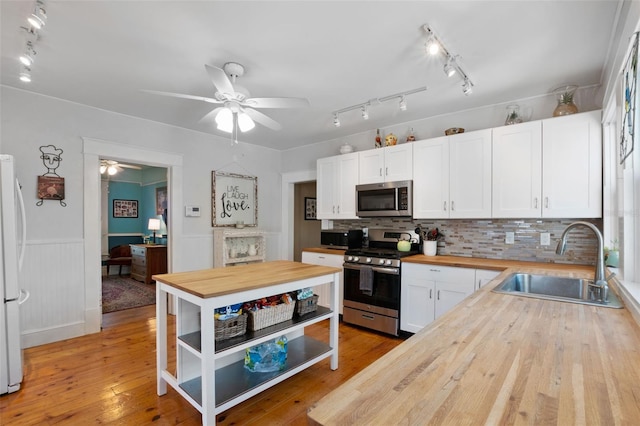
(53, 272)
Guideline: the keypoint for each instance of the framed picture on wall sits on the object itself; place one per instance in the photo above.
(125, 208)
(234, 199)
(309, 208)
(630, 96)
(161, 200)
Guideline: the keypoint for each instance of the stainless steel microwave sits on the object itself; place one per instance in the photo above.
(385, 199)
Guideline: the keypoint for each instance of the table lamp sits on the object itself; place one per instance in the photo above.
(154, 225)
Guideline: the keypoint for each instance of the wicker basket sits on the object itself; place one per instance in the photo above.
(265, 317)
(232, 327)
(310, 304)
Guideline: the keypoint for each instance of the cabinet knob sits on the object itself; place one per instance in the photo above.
(386, 171)
(438, 294)
(430, 293)
(546, 202)
(380, 171)
(535, 202)
(452, 206)
(445, 206)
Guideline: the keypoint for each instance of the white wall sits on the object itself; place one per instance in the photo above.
(54, 268)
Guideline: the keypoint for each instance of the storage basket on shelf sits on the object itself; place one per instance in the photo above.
(304, 306)
(231, 327)
(262, 318)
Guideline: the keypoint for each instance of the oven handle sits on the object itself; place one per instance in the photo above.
(379, 269)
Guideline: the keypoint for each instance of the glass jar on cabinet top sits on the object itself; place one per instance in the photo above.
(513, 115)
(564, 96)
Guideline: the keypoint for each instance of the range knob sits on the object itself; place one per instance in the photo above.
(356, 258)
(388, 262)
(350, 259)
(381, 261)
(368, 260)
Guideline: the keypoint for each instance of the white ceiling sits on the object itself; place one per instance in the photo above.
(334, 53)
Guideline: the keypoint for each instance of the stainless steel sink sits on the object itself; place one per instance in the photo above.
(563, 289)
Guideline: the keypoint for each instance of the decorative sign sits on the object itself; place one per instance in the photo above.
(630, 79)
(50, 184)
(161, 200)
(234, 200)
(125, 208)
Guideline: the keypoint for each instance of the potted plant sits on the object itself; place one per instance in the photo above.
(564, 95)
(431, 239)
(612, 255)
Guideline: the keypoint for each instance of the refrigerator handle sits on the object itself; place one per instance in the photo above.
(26, 295)
(24, 227)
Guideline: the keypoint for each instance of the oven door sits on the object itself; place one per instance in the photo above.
(385, 291)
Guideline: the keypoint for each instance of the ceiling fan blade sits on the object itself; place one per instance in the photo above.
(183, 96)
(220, 80)
(259, 117)
(277, 102)
(210, 115)
(129, 166)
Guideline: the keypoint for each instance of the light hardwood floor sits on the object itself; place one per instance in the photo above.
(110, 378)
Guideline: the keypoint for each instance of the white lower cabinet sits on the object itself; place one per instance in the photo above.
(429, 291)
(324, 291)
(484, 276)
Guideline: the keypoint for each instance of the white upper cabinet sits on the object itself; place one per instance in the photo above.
(452, 176)
(470, 175)
(431, 178)
(388, 164)
(517, 170)
(572, 166)
(337, 178)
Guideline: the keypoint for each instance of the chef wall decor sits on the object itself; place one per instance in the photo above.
(50, 184)
(234, 200)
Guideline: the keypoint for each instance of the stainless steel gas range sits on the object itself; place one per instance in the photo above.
(372, 280)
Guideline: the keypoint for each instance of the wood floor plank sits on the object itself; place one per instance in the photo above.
(110, 378)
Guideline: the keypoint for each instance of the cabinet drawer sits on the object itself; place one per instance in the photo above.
(137, 269)
(137, 260)
(138, 251)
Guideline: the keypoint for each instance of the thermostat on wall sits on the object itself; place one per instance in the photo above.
(192, 211)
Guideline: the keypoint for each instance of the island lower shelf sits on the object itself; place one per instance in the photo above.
(235, 380)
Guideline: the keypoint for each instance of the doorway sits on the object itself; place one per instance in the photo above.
(93, 150)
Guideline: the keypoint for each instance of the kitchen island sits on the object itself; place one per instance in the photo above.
(210, 374)
(501, 359)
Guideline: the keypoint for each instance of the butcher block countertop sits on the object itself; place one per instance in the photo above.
(501, 359)
(220, 281)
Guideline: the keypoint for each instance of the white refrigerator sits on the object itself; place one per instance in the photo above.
(12, 246)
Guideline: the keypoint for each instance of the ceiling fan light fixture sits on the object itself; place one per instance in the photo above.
(224, 120)
(112, 170)
(103, 168)
(38, 17)
(245, 122)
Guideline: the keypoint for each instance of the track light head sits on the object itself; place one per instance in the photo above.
(38, 18)
(28, 56)
(365, 112)
(467, 87)
(449, 68)
(403, 103)
(25, 75)
(336, 121)
(433, 47)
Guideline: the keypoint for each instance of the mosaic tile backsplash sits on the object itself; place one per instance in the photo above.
(485, 238)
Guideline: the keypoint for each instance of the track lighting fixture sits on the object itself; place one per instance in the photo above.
(365, 112)
(467, 87)
(449, 69)
(336, 121)
(38, 18)
(403, 103)
(25, 75)
(27, 57)
(451, 65)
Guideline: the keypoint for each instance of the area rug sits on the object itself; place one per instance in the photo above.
(120, 293)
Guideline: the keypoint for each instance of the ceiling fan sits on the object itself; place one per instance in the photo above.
(238, 109)
(111, 167)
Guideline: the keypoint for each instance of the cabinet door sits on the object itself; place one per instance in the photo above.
(431, 178)
(346, 186)
(517, 171)
(470, 175)
(371, 166)
(416, 298)
(572, 166)
(327, 173)
(483, 276)
(449, 294)
(398, 162)
(324, 291)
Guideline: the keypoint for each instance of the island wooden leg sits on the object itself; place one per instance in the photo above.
(161, 338)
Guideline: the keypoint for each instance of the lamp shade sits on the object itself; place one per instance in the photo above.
(154, 224)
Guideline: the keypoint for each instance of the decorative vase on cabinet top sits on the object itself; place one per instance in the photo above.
(564, 95)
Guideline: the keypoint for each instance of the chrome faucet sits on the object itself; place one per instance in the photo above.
(600, 281)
